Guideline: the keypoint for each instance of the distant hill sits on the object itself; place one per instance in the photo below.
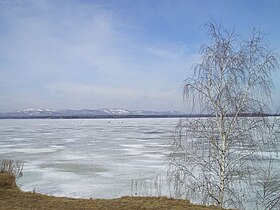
(105, 113)
(88, 113)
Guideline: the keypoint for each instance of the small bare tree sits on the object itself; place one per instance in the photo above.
(267, 188)
(266, 178)
(211, 157)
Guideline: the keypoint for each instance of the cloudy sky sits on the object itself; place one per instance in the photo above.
(132, 54)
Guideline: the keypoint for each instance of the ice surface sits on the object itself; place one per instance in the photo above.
(86, 158)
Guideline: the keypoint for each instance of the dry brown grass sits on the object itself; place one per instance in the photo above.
(11, 198)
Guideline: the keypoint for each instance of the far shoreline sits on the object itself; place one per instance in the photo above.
(133, 116)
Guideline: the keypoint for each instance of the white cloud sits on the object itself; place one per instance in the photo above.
(78, 56)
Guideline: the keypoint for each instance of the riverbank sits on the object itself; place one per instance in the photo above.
(12, 198)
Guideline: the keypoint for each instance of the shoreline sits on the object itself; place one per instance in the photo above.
(12, 198)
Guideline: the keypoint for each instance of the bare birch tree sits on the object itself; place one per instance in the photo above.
(211, 156)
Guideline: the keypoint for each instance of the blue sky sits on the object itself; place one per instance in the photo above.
(132, 54)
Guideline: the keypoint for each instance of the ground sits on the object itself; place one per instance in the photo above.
(12, 198)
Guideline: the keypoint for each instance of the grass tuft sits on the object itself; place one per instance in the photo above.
(12, 167)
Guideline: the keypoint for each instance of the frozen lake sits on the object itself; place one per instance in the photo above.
(86, 157)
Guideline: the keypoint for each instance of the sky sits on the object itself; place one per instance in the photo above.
(131, 54)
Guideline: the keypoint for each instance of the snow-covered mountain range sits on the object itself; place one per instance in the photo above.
(67, 113)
